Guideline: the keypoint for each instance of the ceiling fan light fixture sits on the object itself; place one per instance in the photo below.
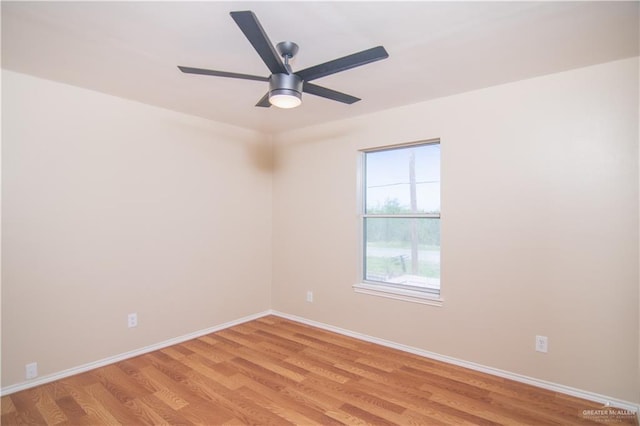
(285, 98)
(285, 90)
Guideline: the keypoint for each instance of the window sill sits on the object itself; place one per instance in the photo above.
(398, 294)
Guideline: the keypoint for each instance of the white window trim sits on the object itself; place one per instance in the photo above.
(396, 293)
(379, 288)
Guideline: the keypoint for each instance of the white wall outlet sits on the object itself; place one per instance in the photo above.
(309, 296)
(132, 320)
(542, 344)
(31, 370)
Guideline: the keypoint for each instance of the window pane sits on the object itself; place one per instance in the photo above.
(403, 180)
(403, 251)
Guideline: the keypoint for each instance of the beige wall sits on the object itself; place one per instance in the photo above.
(539, 227)
(112, 207)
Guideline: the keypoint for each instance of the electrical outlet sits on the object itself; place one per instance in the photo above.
(309, 296)
(31, 370)
(542, 344)
(132, 320)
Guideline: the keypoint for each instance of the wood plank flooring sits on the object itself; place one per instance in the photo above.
(273, 371)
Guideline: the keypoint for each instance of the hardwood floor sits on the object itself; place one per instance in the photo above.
(273, 371)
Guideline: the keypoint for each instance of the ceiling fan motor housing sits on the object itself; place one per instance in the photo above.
(285, 84)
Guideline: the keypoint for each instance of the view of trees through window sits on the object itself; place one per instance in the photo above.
(402, 216)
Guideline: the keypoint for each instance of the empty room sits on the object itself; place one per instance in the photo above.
(315, 213)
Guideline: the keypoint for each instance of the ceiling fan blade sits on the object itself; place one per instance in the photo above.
(254, 32)
(344, 63)
(201, 71)
(328, 93)
(264, 101)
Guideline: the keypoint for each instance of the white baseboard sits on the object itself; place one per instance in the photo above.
(591, 396)
(120, 357)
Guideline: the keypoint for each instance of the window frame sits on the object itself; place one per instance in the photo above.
(381, 288)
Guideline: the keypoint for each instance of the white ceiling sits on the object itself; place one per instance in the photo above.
(131, 49)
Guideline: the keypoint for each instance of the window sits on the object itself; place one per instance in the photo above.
(401, 222)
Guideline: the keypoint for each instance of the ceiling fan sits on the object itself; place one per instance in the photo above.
(285, 86)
